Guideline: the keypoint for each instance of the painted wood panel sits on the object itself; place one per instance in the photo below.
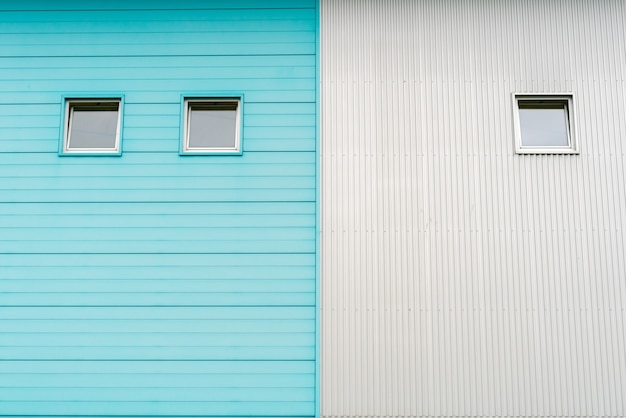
(152, 283)
(163, 387)
(157, 5)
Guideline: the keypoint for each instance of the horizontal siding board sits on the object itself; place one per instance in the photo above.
(161, 247)
(189, 49)
(160, 408)
(192, 234)
(17, 70)
(163, 160)
(26, 119)
(206, 184)
(202, 63)
(249, 145)
(149, 298)
(155, 394)
(11, 135)
(43, 351)
(197, 84)
(87, 332)
(163, 272)
(155, 326)
(90, 285)
(134, 416)
(260, 25)
(169, 313)
(147, 260)
(181, 173)
(163, 95)
(8, 110)
(271, 374)
(173, 14)
(145, 208)
(162, 195)
(234, 368)
(123, 40)
(41, 5)
(159, 146)
(155, 221)
(162, 381)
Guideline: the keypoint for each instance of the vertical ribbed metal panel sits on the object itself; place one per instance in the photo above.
(458, 277)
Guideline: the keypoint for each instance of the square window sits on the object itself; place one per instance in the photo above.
(212, 126)
(92, 126)
(544, 124)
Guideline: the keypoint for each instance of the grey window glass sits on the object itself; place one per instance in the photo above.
(544, 124)
(93, 128)
(213, 125)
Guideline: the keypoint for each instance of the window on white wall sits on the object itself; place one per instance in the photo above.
(92, 126)
(544, 124)
(212, 126)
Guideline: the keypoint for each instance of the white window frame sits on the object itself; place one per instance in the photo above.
(567, 99)
(188, 104)
(70, 105)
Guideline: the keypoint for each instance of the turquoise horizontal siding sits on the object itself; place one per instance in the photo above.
(150, 408)
(22, 142)
(131, 85)
(153, 40)
(155, 221)
(154, 326)
(164, 247)
(141, 260)
(144, 208)
(170, 160)
(157, 16)
(162, 286)
(87, 333)
(153, 284)
(147, 183)
(176, 195)
(156, 5)
(167, 95)
(155, 387)
(48, 279)
(243, 63)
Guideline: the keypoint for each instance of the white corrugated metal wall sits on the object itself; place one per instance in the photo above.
(458, 277)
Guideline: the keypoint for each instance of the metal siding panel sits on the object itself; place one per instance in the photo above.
(460, 279)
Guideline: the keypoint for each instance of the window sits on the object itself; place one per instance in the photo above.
(544, 124)
(92, 126)
(212, 126)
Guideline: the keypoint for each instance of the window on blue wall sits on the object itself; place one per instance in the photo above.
(544, 124)
(92, 126)
(212, 126)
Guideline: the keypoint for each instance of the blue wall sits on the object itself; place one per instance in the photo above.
(154, 283)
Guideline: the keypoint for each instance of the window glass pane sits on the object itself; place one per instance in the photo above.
(212, 128)
(93, 128)
(544, 126)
